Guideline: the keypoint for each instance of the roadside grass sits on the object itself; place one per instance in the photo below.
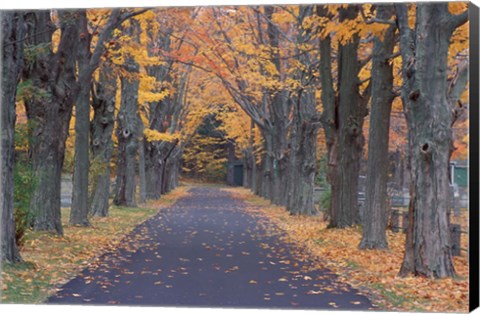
(371, 271)
(51, 260)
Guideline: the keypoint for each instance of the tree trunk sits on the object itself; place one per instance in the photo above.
(267, 165)
(279, 109)
(343, 121)
(11, 31)
(154, 166)
(141, 171)
(79, 211)
(49, 110)
(251, 160)
(247, 171)
(131, 149)
(302, 173)
(375, 213)
(230, 163)
(128, 127)
(101, 139)
(254, 173)
(260, 177)
(429, 119)
(170, 163)
(303, 136)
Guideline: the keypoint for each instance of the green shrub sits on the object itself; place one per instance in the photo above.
(24, 183)
(321, 175)
(325, 199)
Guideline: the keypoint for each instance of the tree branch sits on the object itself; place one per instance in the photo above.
(373, 20)
(455, 89)
(459, 19)
(394, 55)
(126, 15)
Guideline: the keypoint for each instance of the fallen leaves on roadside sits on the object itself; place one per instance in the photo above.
(55, 259)
(371, 271)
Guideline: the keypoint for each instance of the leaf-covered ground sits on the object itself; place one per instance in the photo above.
(207, 250)
(51, 260)
(375, 271)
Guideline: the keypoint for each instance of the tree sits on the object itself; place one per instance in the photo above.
(12, 33)
(101, 130)
(52, 77)
(306, 121)
(428, 109)
(128, 134)
(55, 85)
(88, 62)
(344, 110)
(375, 213)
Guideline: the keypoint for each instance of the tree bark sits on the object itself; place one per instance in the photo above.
(154, 166)
(168, 175)
(49, 109)
(302, 173)
(12, 32)
(267, 165)
(429, 118)
(303, 139)
(342, 119)
(79, 211)
(101, 145)
(127, 133)
(87, 64)
(375, 213)
(279, 110)
(141, 171)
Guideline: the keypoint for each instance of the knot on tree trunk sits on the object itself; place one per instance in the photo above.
(426, 149)
(126, 133)
(354, 128)
(414, 95)
(104, 120)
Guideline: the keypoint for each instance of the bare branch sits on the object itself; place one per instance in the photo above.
(394, 55)
(373, 20)
(459, 19)
(126, 15)
(455, 89)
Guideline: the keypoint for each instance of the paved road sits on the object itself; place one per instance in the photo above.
(206, 251)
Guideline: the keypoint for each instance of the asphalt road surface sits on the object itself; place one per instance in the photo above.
(207, 251)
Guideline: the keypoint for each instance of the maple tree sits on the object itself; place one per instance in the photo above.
(375, 213)
(54, 87)
(11, 67)
(428, 107)
(344, 109)
(285, 85)
(88, 62)
(101, 143)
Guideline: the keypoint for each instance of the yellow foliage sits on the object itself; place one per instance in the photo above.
(375, 269)
(155, 136)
